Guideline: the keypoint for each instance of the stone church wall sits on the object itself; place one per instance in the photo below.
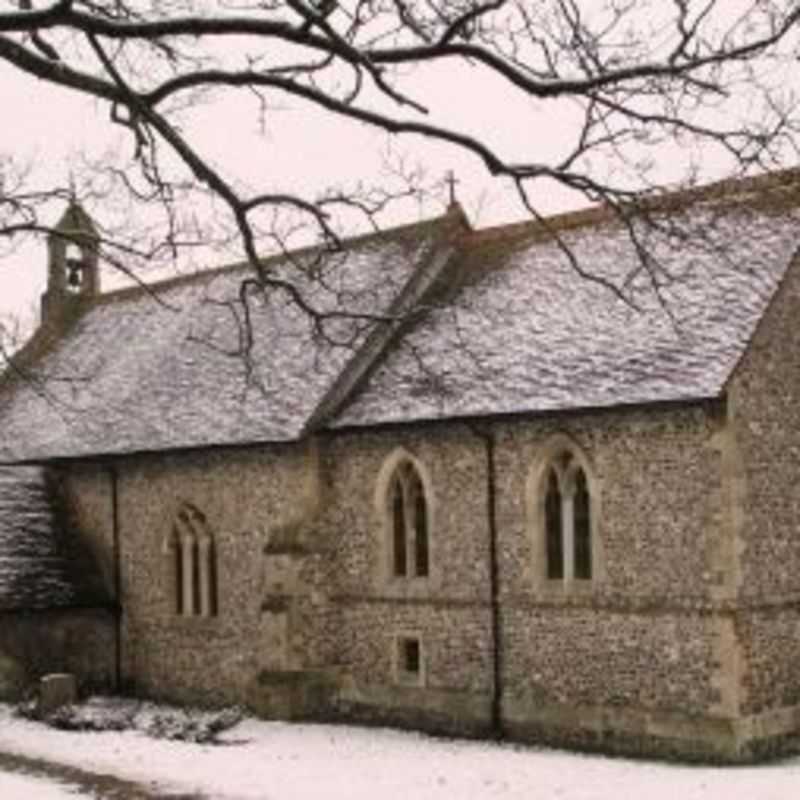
(632, 655)
(208, 659)
(764, 419)
(448, 612)
(645, 657)
(657, 482)
(765, 416)
(619, 656)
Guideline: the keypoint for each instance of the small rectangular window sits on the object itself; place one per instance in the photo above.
(408, 660)
(411, 656)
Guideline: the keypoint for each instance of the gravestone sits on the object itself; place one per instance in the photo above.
(56, 690)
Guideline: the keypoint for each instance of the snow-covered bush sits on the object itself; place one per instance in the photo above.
(186, 725)
(118, 714)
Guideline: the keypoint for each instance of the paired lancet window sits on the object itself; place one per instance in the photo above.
(409, 518)
(193, 564)
(567, 518)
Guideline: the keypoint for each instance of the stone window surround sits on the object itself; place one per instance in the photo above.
(191, 555)
(535, 492)
(401, 676)
(403, 585)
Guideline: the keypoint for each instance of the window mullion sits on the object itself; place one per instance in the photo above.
(204, 554)
(187, 590)
(568, 535)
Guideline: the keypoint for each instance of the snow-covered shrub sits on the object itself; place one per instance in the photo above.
(96, 714)
(186, 725)
(119, 714)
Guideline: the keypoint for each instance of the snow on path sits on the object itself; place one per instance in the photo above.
(25, 787)
(279, 761)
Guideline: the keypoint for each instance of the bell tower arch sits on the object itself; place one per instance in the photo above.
(72, 261)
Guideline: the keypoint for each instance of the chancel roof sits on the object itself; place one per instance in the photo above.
(517, 328)
(39, 568)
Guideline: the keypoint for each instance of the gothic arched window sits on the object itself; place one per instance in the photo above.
(192, 564)
(409, 515)
(564, 515)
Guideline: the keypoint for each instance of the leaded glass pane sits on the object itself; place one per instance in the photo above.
(399, 529)
(553, 529)
(583, 528)
(421, 532)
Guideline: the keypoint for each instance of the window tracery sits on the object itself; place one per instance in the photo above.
(409, 513)
(404, 504)
(193, 564)
(564, 514)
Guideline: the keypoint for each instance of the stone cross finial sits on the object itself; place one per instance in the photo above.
(451, 181)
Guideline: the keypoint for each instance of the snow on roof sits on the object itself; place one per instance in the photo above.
(135, 374)
(508, 326)
(38, 568)
(519, 330)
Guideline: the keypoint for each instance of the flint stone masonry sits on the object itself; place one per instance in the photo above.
(764, 416)
(636, 644)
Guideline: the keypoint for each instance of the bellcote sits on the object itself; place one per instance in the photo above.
(72, 269)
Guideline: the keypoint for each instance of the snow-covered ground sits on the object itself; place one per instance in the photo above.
(22, 787)
(277, 761)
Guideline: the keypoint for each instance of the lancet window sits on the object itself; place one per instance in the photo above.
(409, 516)
(567, 519)
(193, 564)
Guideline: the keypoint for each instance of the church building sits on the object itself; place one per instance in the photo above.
(496, 497)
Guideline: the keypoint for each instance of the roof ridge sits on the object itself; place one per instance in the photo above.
(725, 191)
(200, 275)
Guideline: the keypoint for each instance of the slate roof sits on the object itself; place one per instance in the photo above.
(509, 326)
(39, 568)
(518, 329)
(134, 374)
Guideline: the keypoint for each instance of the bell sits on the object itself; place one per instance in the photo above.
(74, 274)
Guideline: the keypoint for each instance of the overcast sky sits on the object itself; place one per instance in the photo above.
(303, 151)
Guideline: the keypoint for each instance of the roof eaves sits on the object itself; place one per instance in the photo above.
(108, 456)
(518, 414)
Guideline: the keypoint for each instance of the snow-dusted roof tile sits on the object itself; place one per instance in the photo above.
(135, 374)
(510, 327)
(521, 331)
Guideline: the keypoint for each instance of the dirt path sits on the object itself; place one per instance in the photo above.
(101, 787)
